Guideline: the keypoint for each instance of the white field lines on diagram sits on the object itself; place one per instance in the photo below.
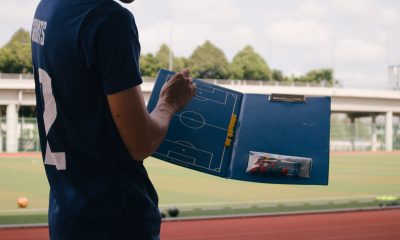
(201, 121)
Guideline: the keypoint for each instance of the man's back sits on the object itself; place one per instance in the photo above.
(82, 51)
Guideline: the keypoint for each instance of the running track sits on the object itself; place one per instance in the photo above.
(368, 225)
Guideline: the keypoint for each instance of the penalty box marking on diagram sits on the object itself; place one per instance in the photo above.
(211, 90)
(186, 152)
(175, 155)
(207, 93)
(202, 122)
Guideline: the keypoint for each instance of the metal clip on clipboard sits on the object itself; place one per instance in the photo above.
(287, 98)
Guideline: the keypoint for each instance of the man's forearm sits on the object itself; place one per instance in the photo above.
(160, 118)
(141, 132)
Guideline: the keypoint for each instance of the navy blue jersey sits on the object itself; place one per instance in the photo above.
(83, 50)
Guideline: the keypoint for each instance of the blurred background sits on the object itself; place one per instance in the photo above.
(347, 50)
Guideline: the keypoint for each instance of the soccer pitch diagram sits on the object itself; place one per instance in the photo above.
(197, 134)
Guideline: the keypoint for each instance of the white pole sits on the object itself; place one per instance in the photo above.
(333, 59)
(171, 59)
(389, 131)
(12, 123)
(374, 134)
(1, 136)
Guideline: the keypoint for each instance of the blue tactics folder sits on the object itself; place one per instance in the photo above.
(217, 132)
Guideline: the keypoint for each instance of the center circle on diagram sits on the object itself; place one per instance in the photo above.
(192, 120)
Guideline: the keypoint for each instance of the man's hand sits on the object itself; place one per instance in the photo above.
(178, 91)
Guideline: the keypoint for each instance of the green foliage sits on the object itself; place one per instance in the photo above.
(277, 75)
(27, 111)
(340, 127)
(180, 63)
(148, 65)
(317, 76)
(16, 55)
(249, 65)
(162, 56)
(208, 61)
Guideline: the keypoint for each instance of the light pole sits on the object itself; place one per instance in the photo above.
(394, 76)
(170, 55)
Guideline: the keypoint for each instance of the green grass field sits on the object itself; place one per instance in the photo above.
(351, 177)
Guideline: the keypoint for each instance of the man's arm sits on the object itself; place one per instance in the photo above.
(142, 132)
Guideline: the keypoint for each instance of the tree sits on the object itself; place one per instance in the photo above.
(148, 65)
(163, 58)
(27, 111)
(163, 55)
(318, 76)
(180, 63)
(208, 61)
(16, 55)
(278, 76)
(249, 65)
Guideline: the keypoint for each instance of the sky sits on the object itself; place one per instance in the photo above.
(359, 39)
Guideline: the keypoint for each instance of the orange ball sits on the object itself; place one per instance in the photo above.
(22, 202)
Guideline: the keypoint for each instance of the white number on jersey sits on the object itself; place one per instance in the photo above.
(49, 115)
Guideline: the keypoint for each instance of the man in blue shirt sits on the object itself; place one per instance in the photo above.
(94, 127)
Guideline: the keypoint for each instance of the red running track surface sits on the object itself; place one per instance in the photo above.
(369, 225)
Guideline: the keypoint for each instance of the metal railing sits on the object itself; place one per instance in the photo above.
(29, 76)
(260, 83)
(344, 136)
(16, 76)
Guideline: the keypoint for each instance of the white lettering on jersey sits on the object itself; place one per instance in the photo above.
(49, 115)
(38, 31)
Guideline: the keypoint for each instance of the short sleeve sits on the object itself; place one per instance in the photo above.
(115, 49)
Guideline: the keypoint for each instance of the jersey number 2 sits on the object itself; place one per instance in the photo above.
(49, 115)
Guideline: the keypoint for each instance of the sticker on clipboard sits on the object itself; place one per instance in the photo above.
(281, 165)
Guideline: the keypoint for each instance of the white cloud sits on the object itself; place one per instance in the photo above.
(373, 78)
(184, 39)
(300, 33)
(204, 11)
(369, 10)
(312, 9)
(359, 51)
(14, 15)
(297, 34)
(355, 7)
(16, 11)
(240, 36)
(187, 36)
(361, 62)
(191, 23)
(151, 37)
(390, 17)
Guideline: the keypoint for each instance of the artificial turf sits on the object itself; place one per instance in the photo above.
(352, 177)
